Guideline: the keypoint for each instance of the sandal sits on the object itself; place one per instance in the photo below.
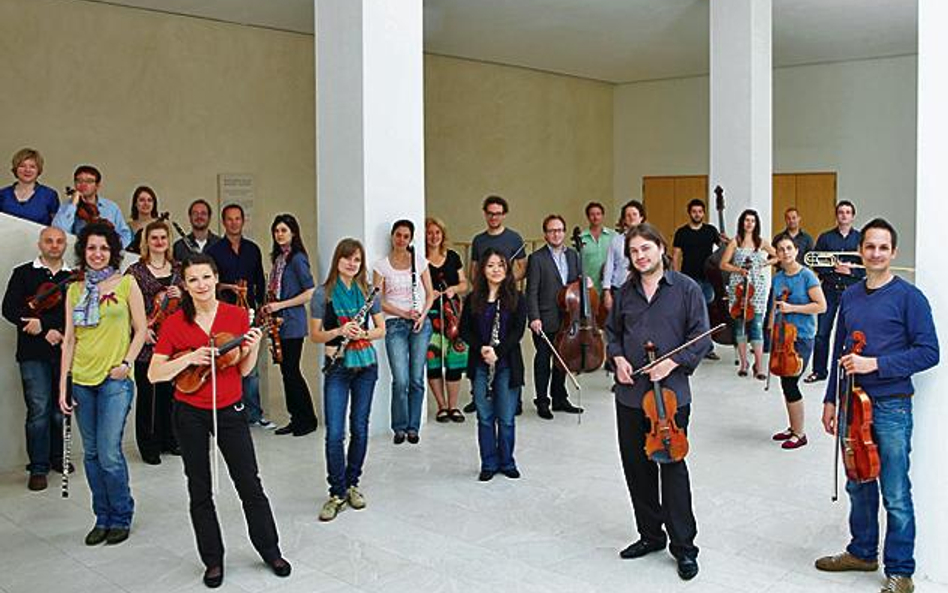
(783, 435)
(813, 378)
(443, 415)
(456, 415)
(794, 442)
(742, 372)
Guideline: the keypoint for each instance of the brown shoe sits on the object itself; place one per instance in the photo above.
(898, 584)
(846, 562)
(37, 482)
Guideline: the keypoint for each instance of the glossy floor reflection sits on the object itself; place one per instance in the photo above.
(764, 514)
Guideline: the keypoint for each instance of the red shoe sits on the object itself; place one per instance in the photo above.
(783, 435)
(794, 442)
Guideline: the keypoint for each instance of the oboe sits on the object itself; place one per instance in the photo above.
(414, 279)
(359, 319)
(494, 342)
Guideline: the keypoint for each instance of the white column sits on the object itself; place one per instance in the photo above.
(369, 133)
(741, 72)
(930, 448)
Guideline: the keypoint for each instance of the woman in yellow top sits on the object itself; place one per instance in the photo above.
(105, 330)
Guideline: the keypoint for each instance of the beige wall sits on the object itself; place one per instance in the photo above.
(159, 99)
(541, 140)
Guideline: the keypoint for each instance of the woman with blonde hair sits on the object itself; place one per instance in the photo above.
(447, 357)
(27, 198)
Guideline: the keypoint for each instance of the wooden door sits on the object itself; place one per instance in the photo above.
(813, 194)
(658, 195)
(687, 189)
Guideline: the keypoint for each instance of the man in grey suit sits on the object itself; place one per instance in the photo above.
(548, 270)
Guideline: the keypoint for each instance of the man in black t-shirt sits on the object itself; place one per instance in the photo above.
(693, 245)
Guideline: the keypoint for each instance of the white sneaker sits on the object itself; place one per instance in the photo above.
(355, 498)
(265, 424)
(331, 508)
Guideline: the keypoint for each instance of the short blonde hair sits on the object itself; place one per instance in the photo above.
(26, 154)
(144, 251)
(431, 220)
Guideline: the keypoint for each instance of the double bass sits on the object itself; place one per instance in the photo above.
(718, 308)
(860, 454)
(579, 340)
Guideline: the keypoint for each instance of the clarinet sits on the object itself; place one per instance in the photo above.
(337, 356)
(67, 450)
(414, 279)
(494, 342)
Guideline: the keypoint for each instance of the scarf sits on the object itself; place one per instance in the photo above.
(346, 303)
(276, 273)
(86, 311)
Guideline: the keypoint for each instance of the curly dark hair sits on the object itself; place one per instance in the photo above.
(508, 288)
(99, 228)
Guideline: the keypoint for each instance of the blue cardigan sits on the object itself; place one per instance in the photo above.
(900, 333)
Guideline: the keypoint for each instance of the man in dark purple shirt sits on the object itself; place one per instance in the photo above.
(667, 308)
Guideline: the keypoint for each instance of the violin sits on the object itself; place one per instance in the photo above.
(48, 295)
(579, 339)
(785, 361)
(162, 307)
(191, 379)
(239, 289)
(86, 211)
(742, 308)
(665, 441)
(452, 321)
(860, 454)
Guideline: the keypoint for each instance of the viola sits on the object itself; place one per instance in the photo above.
(273, 331)
(452, 322)
(742, 308)
(229, 354)
(854, 426)
(785, 361)
(665, 442)
(579, 339)
(162, 308)
(239, 289)
(718, 309)
(48, 296)
(86, 211)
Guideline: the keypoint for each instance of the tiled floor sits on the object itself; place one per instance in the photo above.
(763, 513)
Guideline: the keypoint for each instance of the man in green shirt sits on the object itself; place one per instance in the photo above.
(596, 240)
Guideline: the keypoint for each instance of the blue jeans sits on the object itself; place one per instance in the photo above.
(495, 419)
(892, 432)
(44, 421)
(753, 330)
(340, 386)
(824, 327)
(407, 353)
(101, 411)
(707, 290)
(250, 386)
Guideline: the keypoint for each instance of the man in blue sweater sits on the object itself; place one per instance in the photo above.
(900, 341)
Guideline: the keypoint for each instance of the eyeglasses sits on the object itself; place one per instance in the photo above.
(86, 180)
(493, 214)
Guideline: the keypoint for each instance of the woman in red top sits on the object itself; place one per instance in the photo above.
(183, 342)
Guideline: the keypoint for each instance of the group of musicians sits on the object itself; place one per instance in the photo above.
(178, 320)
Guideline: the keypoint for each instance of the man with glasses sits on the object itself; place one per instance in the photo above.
(200, 237)
(548, 271)
(86, 197)
(505, 241)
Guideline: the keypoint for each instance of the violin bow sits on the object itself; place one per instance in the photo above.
(674, 351)
(569, 373)
(215, 460)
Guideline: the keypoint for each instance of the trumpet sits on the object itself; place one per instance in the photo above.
(831, 259)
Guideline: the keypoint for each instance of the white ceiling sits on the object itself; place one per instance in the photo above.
(612, 40)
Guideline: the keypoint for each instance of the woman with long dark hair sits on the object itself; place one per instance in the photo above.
(183, 342)
(747, 256)
(407, 295)
(351, 379)
(289, 289)
(105, 331)
(159, 278)
(144, 211)
(492, 324)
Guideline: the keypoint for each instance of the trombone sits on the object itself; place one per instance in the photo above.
(830, 259)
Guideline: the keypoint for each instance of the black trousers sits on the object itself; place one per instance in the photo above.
(193, 427)
(645, 479)
(153, 431)
(299, 402)
(549, 378)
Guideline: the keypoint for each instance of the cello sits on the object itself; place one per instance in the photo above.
(665, 442)
(718, 308)
(785, 361)
(579, 339)
(860, 454)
